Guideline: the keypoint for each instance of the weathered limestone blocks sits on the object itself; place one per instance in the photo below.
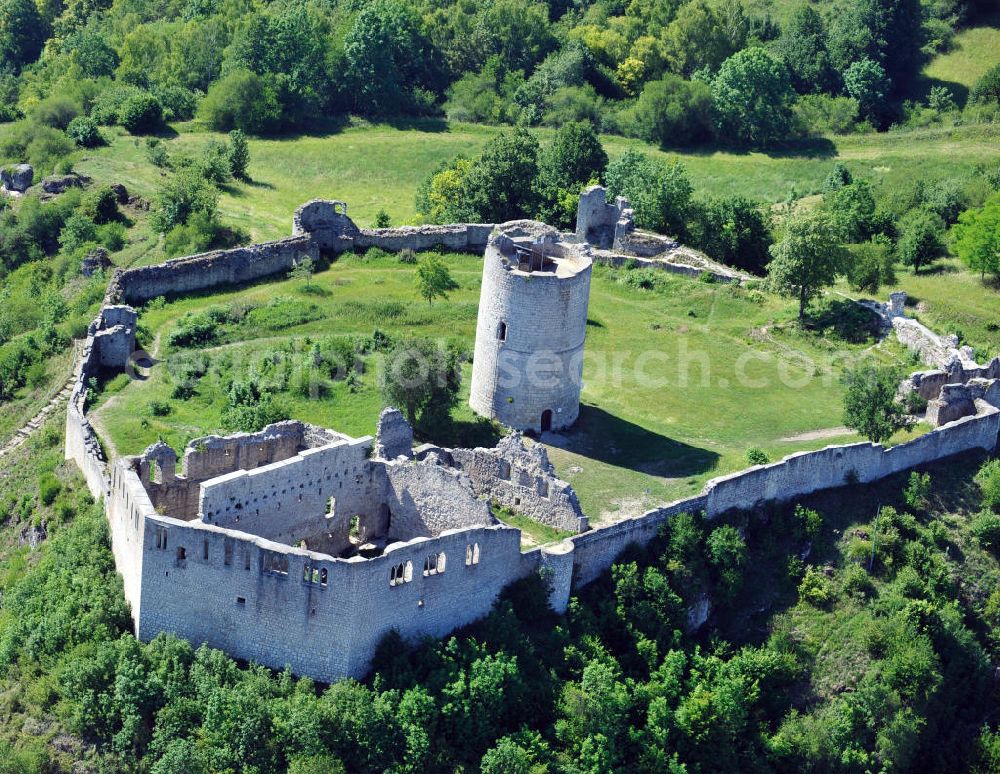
(393, 436)
(518, 478)
(962, 400)
(601, 224)
(113, 334)
(528, 365)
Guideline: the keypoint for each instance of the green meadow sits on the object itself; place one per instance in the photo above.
(679, 380)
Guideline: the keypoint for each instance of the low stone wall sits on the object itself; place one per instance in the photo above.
(934, 350)
(459, 237)
(618, 260)
(210, 270)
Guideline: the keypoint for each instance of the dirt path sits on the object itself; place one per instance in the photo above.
(818, 435)
(24, 432)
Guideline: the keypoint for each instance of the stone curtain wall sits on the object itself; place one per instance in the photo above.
(795, 476)
(210, 270)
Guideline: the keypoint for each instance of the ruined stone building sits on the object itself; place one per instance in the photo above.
(300, 546)
(528, 365)
(293, 546)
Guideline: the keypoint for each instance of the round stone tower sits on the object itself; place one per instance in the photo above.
(528, 367)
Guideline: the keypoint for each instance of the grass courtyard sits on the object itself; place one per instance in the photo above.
(679, 380)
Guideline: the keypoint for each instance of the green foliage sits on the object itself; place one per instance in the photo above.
(815, 588)
(575, 158)
(672, 112)
(867, 82)
(141, 114)
(249, 408)
(808, 257)
(433, 278)
(734, 231)
(100, 204)
(753, 99)
(423, 379)
(918, 488)
(985, 528)
(754, 455)
(988, 479)
(22, 33)
(241, 100)
(870, 403)
(183, 194)
(872, 265)
(302, 272)
(84, 132)
(803, 46)
(921, 238)
(987, 88)
(382, 220)
(660, 192)
(48, 489)
(500, 185)
(238, 154)
(976, 237)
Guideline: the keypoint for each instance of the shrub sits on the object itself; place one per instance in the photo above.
(84, 132)
(754, 455)
(916, 491)
(193, 330)
(407, 255)
(112, 235)
(178, 103)
(241, 100)
(159, 408)
(987, 88)
(809, 521)
(673, 111)
(141, 113)
(78, 231)
(48, 488)
(988, 479)
(815, 588)
(985, 529)
(100, 205)
(817, 114)
(238, 154)
(856, 581)
(56, 111)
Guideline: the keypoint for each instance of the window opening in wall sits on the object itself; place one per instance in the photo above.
(546, 420)
(246, 560)
(502, 331)
(181, 554)
(161, 537)
(204, 553)
(241, 600)
(227, 552)
(543, 488)
(275, 563)
(471, 554)
(322, 577)
(401, 573)
(504, 470)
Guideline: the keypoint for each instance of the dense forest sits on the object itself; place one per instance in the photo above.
(676, 72)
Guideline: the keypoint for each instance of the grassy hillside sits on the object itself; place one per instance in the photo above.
(379, 167)
(974, 51)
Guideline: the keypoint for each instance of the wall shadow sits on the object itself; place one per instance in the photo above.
(610, 439)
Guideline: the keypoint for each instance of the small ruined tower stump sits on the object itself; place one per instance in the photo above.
(528, 365)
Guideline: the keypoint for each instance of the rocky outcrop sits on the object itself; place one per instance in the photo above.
(94, 261)
(57, 184)
(18, 178)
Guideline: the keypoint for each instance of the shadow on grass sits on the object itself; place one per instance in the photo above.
(923, 86)
(809, 147)
(610, 439)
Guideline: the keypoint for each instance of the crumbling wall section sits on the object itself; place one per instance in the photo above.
(289, 500)
(424, 500)
(212, 269)
(523, 480)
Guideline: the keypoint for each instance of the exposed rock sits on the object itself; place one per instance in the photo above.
(698, 613)
(57, 184)
(32, 536)
(138, 203)
(18, 178)
(121, 192)
(94, 261)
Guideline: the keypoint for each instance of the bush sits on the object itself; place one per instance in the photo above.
(756, 456)
(159, 408)
(48, 488)
(241, 100)
(917, 490)
(185, 193)
(985, 528)
(857, 582)
(817, 114)
(178, 103)
(872, 265)
(141, 114)
(78, 231)
(815, 588)
(987, 88)
(673, 112)
(988, 479)
(100, 205)
(193, 330)
(112, 235)
(84, 132)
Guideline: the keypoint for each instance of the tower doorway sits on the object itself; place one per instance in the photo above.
(546, 420)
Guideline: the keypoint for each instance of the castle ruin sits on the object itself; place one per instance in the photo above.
(300, 546)
(527, 371)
